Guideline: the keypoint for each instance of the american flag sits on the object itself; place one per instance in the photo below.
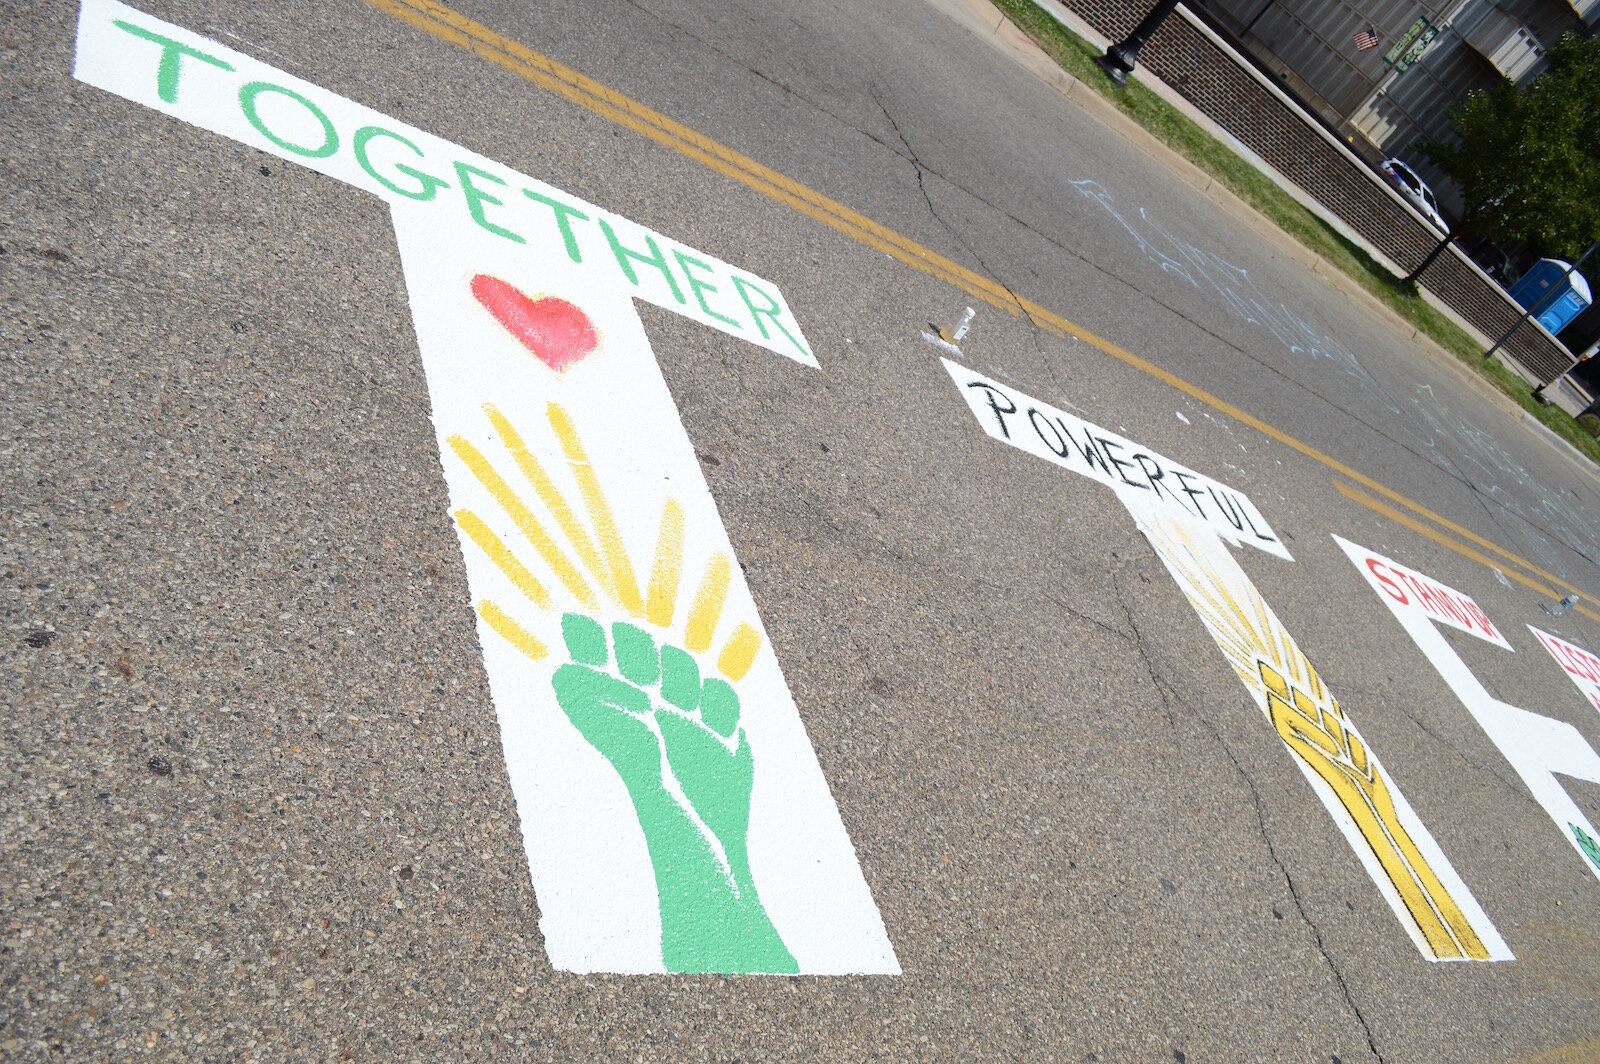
(1365, 39)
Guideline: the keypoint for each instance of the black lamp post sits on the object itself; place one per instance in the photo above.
(1119, 60)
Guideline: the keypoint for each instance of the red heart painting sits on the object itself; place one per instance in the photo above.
(557, 332)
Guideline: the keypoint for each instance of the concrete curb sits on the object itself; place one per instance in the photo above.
(1565, 449)
(988, 23)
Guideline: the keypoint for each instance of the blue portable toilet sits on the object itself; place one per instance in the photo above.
(1555, 300)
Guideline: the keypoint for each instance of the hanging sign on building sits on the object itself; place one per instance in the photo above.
(1410, 46)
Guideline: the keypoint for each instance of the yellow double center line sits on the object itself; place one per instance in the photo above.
(442, 22)
(1466, 552)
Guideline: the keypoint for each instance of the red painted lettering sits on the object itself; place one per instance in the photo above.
(1388, 584)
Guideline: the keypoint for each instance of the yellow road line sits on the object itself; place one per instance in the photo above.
(1445, 541)
(440, 21)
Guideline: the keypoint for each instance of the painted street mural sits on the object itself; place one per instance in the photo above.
(1581, 667)
(1429, 899)
(674, 814)
(1537, 746)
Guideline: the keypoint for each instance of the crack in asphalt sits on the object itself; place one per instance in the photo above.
(1514, 787)
(915, 160)
(1513, 510)
(741, 64)
(922, 187)
(1136, 639)
(1260, 809)
(842, 537)
(1294, 891)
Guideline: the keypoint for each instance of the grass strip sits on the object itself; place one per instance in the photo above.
(1077, 57)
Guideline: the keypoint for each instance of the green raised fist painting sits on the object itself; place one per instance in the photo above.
(675, 740)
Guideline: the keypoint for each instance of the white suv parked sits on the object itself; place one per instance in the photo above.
(1415, 190)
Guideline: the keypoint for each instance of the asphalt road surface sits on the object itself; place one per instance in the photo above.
(1041, 765)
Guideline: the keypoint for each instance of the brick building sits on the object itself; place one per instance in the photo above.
(1422, 57)
(1196, 53)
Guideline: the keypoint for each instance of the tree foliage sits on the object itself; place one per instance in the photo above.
(1528, 160)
